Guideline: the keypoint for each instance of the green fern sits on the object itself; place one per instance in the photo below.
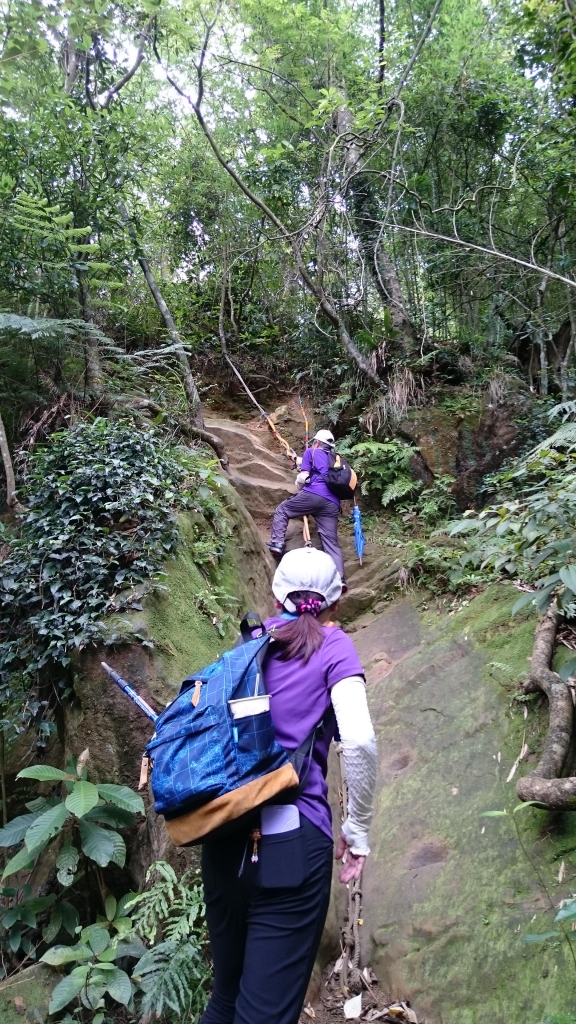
(564, 437)
(399, 488)
(175, 976)
(171, 906)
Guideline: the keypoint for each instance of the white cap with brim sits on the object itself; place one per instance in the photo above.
(306, 569)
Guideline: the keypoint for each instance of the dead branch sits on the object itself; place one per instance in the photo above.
(544, 782)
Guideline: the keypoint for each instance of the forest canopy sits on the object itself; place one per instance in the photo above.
(370, 198)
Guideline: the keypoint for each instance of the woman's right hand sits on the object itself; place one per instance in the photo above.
(352, 867)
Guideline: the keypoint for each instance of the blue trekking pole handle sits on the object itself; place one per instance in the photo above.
(139, 701)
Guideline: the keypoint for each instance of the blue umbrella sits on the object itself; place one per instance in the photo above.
(359, 538)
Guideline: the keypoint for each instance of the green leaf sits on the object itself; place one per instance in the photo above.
(97, 936)
(118, 986)
(43, 773)
(16, 829)
(110, 907)
(96, 842)
(58, 955)
(567, 912)
(83, 798)
(522, 602)
(494, 814)
(119, 857)
(567, 669)
(23, 859)
(528, 803)
(54, 925)
(40, 903)
(46, 826)
(108, 814)
(69, 917)
(123, 797)
(67, 863)
(568, 576)
(68, 989)
(540, 938)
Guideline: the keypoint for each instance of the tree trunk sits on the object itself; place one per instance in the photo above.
(192, 395)
(11, 496)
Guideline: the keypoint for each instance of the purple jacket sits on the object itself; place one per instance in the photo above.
(317, 461)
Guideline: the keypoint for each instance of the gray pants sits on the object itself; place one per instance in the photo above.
(325, 514)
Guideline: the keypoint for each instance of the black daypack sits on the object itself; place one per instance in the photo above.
(340, 478)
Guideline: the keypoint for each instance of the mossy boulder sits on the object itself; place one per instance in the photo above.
(449, 895)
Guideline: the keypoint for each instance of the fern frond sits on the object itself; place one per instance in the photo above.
(564, 409)
(174, 975)
(401, 486)
(565, 437)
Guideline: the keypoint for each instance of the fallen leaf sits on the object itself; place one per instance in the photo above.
(455, 791)
(562, 871)
(338, 965)
(309, 1011)
(353, 1007)
(19, 1004)
(410, 1015)
(499, 757)
(525, 712)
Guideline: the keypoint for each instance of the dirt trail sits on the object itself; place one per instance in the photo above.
(263, 477)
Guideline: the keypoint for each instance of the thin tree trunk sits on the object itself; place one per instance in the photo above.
(11, 495)
(93, 370)
(192, 395)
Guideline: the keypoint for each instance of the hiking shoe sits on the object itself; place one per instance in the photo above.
(344, 587)
(275, 549)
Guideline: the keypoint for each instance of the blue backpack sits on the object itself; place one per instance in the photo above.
(211, 770)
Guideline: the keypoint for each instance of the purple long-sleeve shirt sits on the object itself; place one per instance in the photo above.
(316, 461)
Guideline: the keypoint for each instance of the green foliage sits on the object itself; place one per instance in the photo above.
(530, 534)
(382, 468)
(433, 505)
(81, 814)
(100, 520)
(175, 972)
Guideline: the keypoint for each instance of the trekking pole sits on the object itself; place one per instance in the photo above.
(138, 700)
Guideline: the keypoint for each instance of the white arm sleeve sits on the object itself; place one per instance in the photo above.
(360, 757)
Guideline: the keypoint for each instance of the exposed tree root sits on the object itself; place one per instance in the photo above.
(544, 783)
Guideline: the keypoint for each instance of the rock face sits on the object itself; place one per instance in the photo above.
(448, 894)
(467, 437)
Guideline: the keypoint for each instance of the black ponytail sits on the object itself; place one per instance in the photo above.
(303, 636)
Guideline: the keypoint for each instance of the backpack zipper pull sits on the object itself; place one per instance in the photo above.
(255, 835)
(196, 694)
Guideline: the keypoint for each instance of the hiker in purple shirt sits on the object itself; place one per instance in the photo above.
(314, 499)
(265, 919)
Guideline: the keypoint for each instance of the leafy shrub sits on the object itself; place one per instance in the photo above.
(382, 468)
(531, 534)
(434, 504)
(85, 814)
(100, 521)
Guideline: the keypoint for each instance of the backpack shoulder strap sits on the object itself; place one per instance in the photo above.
(250, 624)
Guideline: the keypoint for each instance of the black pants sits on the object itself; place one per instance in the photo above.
(324, 512)
(264, 941)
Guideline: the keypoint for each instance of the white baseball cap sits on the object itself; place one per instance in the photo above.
(306, 569)
(325, 437)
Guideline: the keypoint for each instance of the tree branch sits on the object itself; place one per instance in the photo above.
(142, 40)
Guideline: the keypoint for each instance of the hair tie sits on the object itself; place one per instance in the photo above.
(313, 606)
